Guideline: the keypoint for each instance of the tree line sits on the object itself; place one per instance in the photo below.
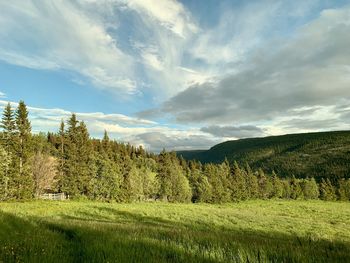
(71, 162)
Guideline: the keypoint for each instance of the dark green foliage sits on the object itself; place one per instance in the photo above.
(318, 155)
(111, 171)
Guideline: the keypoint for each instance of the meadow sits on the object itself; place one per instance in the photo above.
(250, 231)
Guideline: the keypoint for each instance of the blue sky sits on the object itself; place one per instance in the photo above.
(178, 74)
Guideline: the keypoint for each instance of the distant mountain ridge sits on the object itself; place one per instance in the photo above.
(320, 154)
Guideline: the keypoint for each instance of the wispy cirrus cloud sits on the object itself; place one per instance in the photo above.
(293, 75)
(100, 42)
(63, 36)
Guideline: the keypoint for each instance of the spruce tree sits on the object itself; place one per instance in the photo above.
(265, 185)
(310, 188)
(252, 183)
(277, 186)
(295, 189)
(5, 161)
(205, 191)
(238, 183)
(327, 190)
(8, 126)
(344, 189)
(8, 140)
(24, 181)
(105, 143)
(24, 133)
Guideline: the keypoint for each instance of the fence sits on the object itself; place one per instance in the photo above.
(57, 196)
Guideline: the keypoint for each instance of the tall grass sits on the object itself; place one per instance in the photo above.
(252, 231)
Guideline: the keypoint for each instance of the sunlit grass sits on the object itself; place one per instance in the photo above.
(252, 231)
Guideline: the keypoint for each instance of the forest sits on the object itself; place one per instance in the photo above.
(317, 154)
(71, 162)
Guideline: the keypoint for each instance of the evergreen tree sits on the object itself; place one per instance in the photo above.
(4, 179)
(194, 177)
(238, 183)
(24, 183)
(286, 189)
(79, 160)
(8, 141)
(174, 186)
(295, 189)
(327, 190)
(265, 185)
(205, 190)
(8, 126)
(217, 177)
(24, 134)
(344, 189)
(107, 181)
(105, 142)
(310, 188)
(277, 186)
(252, 183)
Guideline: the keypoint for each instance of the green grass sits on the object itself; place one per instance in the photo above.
(252, 231)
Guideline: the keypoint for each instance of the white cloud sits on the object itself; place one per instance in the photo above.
(310, 69)
(63, 35)
(169, 13)
(2, 95)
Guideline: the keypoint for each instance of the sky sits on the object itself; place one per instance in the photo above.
(178, 75)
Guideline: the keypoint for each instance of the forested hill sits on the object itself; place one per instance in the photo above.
(322, 154)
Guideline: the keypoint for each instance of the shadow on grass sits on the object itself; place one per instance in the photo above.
(119, 236)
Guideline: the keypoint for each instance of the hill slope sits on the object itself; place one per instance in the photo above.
(322, 154)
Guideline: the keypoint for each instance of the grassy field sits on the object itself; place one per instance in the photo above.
(252, 231)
